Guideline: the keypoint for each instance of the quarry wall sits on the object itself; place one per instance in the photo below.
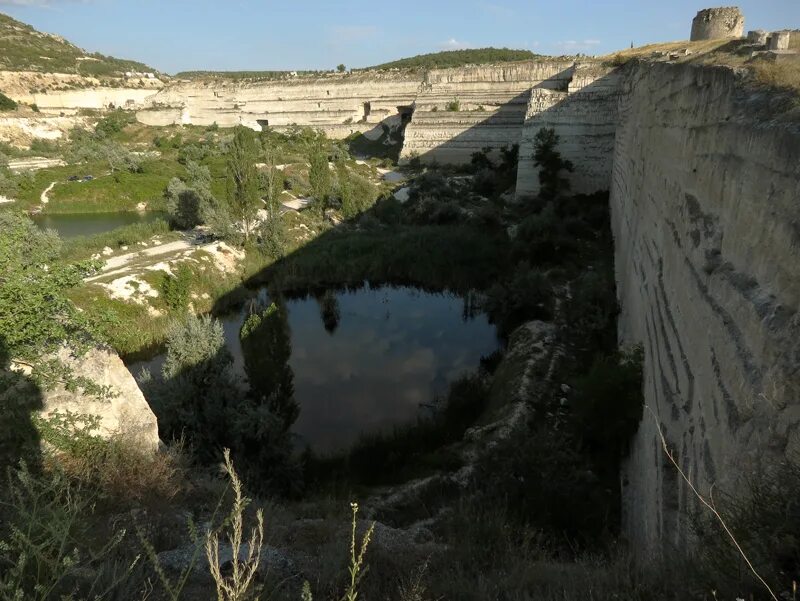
(583, 111)
(337, 104)
(705, 197)
(462, 111)
(705, 201)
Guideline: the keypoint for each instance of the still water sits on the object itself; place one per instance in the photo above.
(89, 224)
(389, 353)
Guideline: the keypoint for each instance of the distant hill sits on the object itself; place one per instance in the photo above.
(22, 48)
(458, 58)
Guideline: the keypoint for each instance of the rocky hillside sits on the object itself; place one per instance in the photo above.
(22, 48)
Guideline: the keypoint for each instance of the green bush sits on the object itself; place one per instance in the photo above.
(526, 296)
(114, 123)
(198, 396)
(453, 106)
(6, 104)
(175, 289)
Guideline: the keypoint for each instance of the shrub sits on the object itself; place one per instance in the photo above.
(527, 296)
(480, 160)
(6, 104)
(541, 482)
(763, 512)
(44, 147)
(356, 194)
(43, 550)
(273, 237)
(114, 123)
(453, 106)
(199, 397)
(175, 289)
(591, 308)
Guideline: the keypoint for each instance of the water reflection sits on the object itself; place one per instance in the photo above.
(88, 224)
(358, 360)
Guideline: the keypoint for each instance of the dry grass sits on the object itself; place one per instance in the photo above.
(697, 48)
(124, 472)
(783, 74)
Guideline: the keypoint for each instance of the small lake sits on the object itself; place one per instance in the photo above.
(73, 225)
(389, 353)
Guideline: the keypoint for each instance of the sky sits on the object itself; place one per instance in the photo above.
(180, 35)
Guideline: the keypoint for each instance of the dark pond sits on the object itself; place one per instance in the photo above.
(389, 353)
(89, 224)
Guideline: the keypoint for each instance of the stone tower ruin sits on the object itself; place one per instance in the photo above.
(718, 23)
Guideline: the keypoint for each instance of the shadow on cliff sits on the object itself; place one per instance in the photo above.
(20, 399)
(375, 246)
(579, 102)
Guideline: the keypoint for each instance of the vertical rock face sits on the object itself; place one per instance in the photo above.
(461, 111)
(337, 104)
(718, 23)
(580, 103)
(705, 201)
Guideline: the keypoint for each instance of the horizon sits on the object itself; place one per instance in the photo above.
(216, 38)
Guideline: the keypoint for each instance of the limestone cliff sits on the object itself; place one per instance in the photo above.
(705, 199)
(582, 108)
(337, 104)
(461, 111)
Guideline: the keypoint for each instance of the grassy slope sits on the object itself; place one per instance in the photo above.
(459, 58)
(22, 48)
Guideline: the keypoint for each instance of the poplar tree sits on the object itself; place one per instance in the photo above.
(243, 197)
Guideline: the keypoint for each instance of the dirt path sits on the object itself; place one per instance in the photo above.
(44, 198)
(160, 255)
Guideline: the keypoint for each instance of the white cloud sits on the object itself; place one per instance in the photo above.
(454, 44)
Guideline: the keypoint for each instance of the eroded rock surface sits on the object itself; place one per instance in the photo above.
(127, 414)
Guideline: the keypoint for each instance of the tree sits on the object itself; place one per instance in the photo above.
(550, 163)
(36, 316)
(341, 68)
(319, 176)
(273, 231)
(190, 203)
(243, 198)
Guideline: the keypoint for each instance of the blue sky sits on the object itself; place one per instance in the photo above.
(176, 35)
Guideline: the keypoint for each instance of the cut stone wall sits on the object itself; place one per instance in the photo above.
(705, 202)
